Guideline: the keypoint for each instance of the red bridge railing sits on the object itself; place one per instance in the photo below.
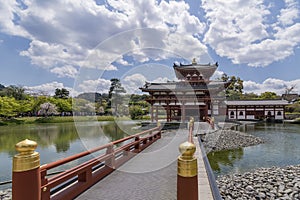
(72, 182)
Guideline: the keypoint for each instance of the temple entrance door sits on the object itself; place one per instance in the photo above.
(193, 111)
(203, 112)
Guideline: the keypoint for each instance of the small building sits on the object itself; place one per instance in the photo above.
(256, 109)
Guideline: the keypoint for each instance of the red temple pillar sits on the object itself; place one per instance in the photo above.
(183, 112)
(151, 110)
(156, 114)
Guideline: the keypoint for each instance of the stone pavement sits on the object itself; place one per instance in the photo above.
(150, 175)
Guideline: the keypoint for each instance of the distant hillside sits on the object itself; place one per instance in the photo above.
(93, 97)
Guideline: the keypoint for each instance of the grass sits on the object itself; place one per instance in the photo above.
(297, 121)
(57, 119)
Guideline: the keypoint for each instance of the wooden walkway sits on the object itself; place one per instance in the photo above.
(152, 174)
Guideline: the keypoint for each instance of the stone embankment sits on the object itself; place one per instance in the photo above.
(5, 194)
(263, 183)
(225, 139)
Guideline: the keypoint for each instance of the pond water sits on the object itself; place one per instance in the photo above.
(281, 148)
(57, 141)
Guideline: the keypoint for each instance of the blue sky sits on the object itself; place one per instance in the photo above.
(81, 44)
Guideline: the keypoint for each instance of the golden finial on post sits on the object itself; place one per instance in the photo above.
(27, 158)
(187, 162)
(158, 123)
(191, 123)
(187, 173)
(26, 176)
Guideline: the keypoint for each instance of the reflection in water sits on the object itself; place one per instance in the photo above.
(226, 158)
(281, 148)
(59, 135)
(56, 141)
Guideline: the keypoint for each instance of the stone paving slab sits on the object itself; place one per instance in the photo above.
(150, 175)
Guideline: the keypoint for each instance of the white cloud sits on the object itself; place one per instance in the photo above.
(100, 85)
(245, 31)
(65, 33)
(217, 75)
(271, 85)
(133, 82)
(65, 71)
(290, 13)
(123, 62)
(46, 89)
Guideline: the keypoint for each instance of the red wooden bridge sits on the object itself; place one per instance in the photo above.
(156, 173)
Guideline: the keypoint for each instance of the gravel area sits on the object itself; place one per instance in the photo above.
(5, 194)
(224, 139)
(263, 183)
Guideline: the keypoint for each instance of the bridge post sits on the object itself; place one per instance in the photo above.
(187, 169)
(111, 162)
(26, 177)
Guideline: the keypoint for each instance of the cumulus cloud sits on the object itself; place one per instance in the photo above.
(65, 71)
(68, 35)
(133, 82)
(290, 13)
(46, 89)
(246, 32)
(100, 85)
(217, 75)
(65, 33)
(271, 85)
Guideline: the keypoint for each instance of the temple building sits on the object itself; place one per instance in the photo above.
(193, 95)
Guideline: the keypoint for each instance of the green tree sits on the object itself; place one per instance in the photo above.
(61, 93)
(235, 87)
(14, 91)
(136, 112)
(115, 95)
(37, 103)
(101, 107)
(1, 87)
(249, 96)
(62, 104)
(268, 95)
(26, 106)
(115, 87)
(8, 107)
(293, 108)
(82, 105)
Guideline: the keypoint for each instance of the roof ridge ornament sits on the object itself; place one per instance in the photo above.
(194, 62)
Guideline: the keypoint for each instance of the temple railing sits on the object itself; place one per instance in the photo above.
(30, 180)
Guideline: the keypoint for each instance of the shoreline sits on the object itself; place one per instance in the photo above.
(58, 119)
(226, 139)
(259, 183)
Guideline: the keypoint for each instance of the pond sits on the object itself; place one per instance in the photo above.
(281, 148)
(57, 141)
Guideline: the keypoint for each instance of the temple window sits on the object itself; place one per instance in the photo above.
(231, 114)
